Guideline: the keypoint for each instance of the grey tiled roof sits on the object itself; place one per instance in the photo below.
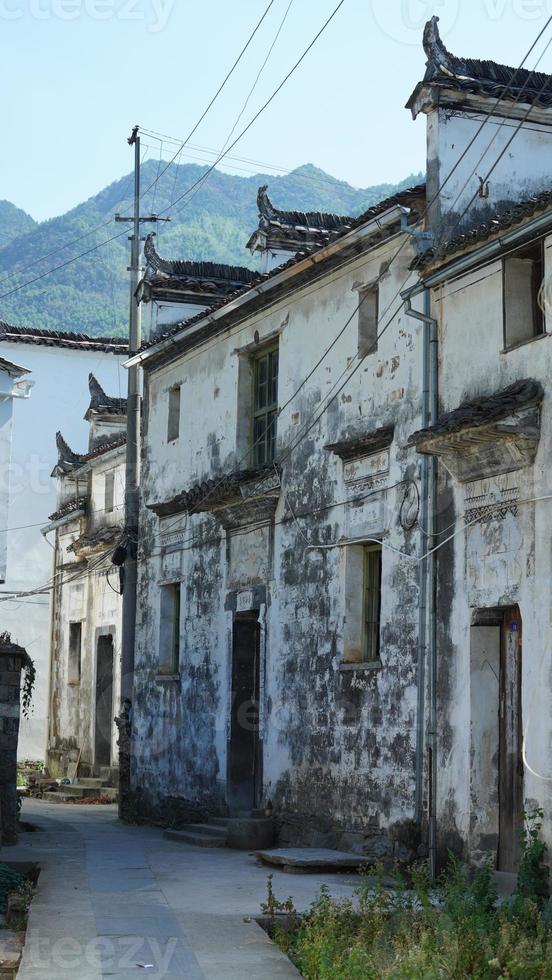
(68, 461)
(479, 76)
(69, 507)
(412, 197)
(57, 338)
(500, 220)
(215, 492)
(484, 410)
(358, 445)
(197, 276)
(290, 222)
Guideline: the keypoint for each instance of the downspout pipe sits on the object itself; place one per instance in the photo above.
(427, 620)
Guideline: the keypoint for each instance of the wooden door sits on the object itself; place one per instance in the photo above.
(104, 701)
(510, 743)
(244, 755)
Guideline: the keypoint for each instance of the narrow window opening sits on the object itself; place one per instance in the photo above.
(109, 491)
(368, 320)
(372, 602)
(75, 646)
(169, 641)
(523, 275)
(173, 423)
(265, 407)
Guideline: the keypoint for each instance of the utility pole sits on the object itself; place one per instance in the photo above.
(132, 485)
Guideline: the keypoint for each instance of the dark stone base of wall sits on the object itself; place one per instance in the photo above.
(169, 811)
(400, 842)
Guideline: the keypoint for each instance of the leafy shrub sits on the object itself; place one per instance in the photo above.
(452, 929)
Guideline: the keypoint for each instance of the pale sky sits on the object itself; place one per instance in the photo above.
(78, 74)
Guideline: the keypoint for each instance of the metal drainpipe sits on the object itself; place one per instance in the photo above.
(427, 621)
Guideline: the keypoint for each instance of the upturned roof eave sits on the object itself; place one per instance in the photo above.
(274, 281)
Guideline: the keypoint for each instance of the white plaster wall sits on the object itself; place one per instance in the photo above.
(523, 170)
(505, 561)
(6, 428)
(59, 400)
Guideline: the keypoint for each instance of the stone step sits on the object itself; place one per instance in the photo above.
(211, 829)
(110, 774)
(52, 797)
(193, 837)
(91, 781)
(219, 821)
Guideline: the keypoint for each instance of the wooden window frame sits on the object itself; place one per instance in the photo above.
(173, 416)
(263, 452)
(74, 659)
(109, 492)
(538, 315)
(367, 346)
(169, 653)
(371, 604)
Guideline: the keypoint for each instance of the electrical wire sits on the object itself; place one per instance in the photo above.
(256, 116)
(262, 108)
(215, 97)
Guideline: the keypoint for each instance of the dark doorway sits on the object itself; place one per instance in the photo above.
(244, 769)
(510, 788)
(104, 701)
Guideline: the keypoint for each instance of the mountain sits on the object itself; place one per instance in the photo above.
(213, 222)
(13, 222)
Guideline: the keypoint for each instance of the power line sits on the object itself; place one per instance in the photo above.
(215, 97)
(263, 107)
(256, 116)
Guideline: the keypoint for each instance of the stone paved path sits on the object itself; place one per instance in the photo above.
(122, 902)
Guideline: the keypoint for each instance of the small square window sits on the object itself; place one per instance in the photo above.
(265, 407)
(368, 312)
(523, 273)
(173, 421)
(169, 639)
(75, 647)
(109, 491)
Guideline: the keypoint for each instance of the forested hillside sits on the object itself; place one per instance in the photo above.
(214, 222)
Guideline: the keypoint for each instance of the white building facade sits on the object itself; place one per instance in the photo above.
(59, 365)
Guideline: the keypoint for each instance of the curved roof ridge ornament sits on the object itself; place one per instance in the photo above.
(264, 204)
(438, 58)
(153, 258)
(67, 459)
(97, 394)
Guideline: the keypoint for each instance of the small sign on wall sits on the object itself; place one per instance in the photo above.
(366, 467)
(244, 601)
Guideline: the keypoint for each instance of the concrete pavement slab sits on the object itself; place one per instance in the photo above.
(111, 896)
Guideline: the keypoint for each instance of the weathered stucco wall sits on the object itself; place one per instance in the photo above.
(84, 594)
(520, 172)
(499, 560)
(338, 744)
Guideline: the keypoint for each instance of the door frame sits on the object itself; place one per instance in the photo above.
(509, 768)
(100, 632)
(251, 616)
